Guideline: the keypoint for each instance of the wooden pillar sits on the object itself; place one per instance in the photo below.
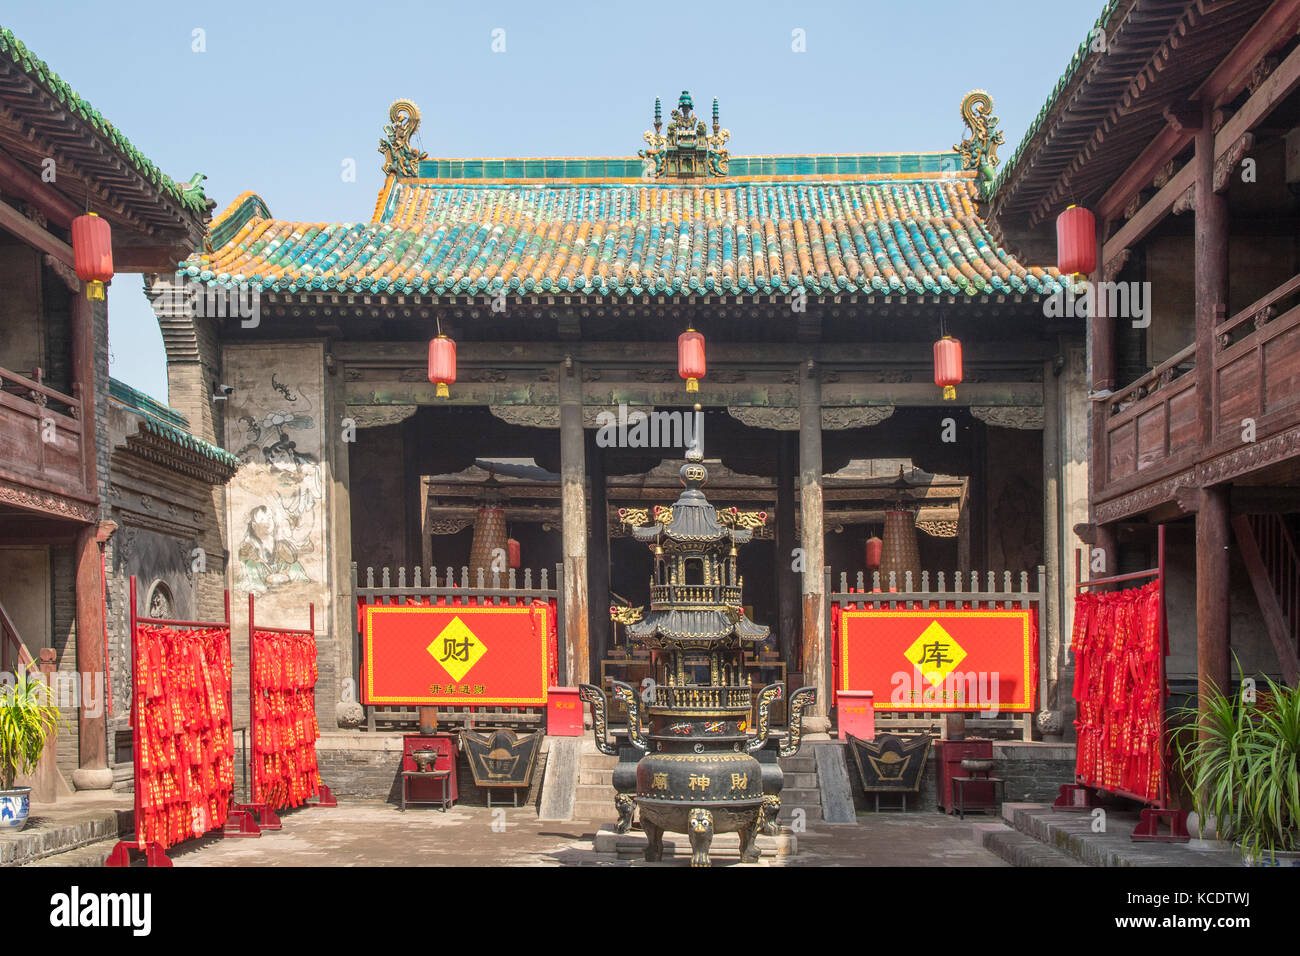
(1211, 273)
(1212, 606)
(573, 513)
(1051, 533)
(812, 538)
(598, 620)
(92, 772)
(1101, 353)
(788, 611)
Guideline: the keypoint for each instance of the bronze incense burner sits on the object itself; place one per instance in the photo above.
(698, 768)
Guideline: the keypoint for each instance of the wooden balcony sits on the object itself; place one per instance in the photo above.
(1150, 429)
(42, 453)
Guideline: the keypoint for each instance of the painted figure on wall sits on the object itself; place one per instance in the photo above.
(267, 559)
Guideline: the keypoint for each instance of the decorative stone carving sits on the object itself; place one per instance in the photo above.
(64, 272)
(1050, 722)
(1009, 416)
(776, 419)
(1116, 264)
(938, 528)
(530, 416)
(448, 525)
(835, 419)
(349, 713)
(377, 416)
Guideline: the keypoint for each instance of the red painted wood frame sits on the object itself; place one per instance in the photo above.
(156, 855)
(1159, 807)
(270, 820)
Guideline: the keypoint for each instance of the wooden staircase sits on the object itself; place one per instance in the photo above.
(1269, 551)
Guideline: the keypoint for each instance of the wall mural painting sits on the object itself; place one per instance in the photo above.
(277, 502)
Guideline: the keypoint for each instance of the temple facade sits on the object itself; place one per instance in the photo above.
(820, 284)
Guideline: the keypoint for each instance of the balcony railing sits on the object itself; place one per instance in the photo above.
(1151, 428)
(40, 437)
(695, 594)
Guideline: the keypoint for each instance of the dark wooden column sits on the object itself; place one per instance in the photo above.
(1051, 464)
(1212, 607)
(812, 540)
(92, 771)
(1211, 272)
(788, 611)
(573, 512)
(1101, 346)
(598, 551)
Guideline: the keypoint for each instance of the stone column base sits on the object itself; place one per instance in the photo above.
(92, 778)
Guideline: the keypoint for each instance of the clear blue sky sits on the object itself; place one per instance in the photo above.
(284, 93)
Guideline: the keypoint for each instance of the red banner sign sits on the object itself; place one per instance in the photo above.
(951, 660)
(419, 654)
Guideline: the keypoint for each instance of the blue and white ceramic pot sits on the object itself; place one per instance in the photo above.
(15, 804)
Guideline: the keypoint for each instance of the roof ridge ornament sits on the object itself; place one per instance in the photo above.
(400, 158)
(979, 151)
(687, 150)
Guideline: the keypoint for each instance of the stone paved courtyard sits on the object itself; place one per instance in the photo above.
(378, 834)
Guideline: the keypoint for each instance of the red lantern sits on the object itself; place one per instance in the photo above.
(512, 546)
(947, 366)
(92, 252)
(442, 364)
(690, 358)
(875, 548)
(1076, 241)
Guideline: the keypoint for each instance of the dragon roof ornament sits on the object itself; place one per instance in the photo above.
(979, 151)
(400, 157)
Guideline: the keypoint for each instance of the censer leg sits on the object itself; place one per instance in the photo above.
(749, 843)
(701, 825)
(654, 847)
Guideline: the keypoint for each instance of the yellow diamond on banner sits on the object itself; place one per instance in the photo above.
(457, 648)
(935, 653)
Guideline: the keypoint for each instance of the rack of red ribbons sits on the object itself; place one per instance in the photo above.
(181, 732)
(282, 675)
(1119, 645)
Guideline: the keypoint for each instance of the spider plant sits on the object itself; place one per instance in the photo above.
(27, 719)
(1244, 770)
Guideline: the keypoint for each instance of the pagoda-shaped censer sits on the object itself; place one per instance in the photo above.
(698, 772)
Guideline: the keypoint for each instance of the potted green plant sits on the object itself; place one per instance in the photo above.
(27, 719)
(1245, 772)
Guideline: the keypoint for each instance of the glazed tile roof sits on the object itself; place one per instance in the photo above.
(167, 423)
(906, 233)
(189, 195)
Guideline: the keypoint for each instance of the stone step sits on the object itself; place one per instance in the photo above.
(92, 854)
(46, 836)
(800, 781)
(801, 798)
(595, 760)
(810, 814)
(1020, 849)
(800, 763)
(595, 777)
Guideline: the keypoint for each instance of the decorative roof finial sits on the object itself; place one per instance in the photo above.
(979, 151)
(401, 159)
(687, 150)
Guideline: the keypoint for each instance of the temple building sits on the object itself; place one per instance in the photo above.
(820, 285)
(1178, 126)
